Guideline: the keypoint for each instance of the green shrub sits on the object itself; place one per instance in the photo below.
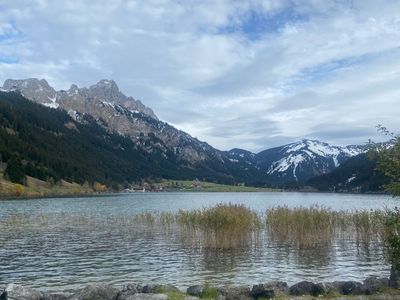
(209, 292)
(392, 235)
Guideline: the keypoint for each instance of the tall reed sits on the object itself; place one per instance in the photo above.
(319, 226)
(224, 226)
(302, 227)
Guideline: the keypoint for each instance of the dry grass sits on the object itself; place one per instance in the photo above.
(203, 186)
(319, 226)
(220, 217)
(39, 188)
(224, 226)
(303, 227)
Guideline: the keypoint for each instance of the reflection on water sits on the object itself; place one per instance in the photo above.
(72, 251)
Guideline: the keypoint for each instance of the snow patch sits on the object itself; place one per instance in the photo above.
(309, 153)
(285, 163)
(73, 114)
(322, 149)
(295, 147)
(52, 99)
(108, 103)
(351, 179)
(53, 103)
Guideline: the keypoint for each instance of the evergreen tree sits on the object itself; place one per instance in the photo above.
(15, 171)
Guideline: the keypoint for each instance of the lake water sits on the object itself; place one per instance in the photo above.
(71, 255)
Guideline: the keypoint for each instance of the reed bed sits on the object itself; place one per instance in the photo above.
(302, 227)
(224, 226)
(317, 226)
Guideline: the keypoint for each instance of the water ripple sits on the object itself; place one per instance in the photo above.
(70, 257)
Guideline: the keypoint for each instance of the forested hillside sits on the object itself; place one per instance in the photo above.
(357, 174)
(48, 144)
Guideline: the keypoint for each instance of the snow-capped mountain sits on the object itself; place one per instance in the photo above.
(296, 162)
(305, 159)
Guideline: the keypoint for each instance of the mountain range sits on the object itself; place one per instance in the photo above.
(104, 105)
(297, 162)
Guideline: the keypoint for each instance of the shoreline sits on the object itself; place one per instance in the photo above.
(108, 194)
(38, 189)
(370, 288)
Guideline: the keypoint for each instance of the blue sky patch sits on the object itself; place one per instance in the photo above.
(257, 24)
(326, 70)
(8, 60)
(10, 34)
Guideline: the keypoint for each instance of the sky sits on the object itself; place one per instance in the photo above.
(249, 74)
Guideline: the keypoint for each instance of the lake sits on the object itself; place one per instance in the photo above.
(68, 254)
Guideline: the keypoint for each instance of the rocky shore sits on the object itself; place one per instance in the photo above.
(371, 288)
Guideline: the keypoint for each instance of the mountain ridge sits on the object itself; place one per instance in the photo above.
(117, 113)
(298, 161)
(48, 144)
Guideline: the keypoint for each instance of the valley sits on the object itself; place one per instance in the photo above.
(187, 150)
(134, 146)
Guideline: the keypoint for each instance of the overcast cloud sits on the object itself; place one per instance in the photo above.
(250, 74)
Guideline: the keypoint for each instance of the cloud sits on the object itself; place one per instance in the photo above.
(249, 74)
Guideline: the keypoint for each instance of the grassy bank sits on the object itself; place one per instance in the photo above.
(38, 188)
(201, 186)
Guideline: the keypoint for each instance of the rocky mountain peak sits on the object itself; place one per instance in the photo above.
(106, 90)
(107, 83)
(77, 99)
(37, 90)
(30, 83)
(74, 87)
